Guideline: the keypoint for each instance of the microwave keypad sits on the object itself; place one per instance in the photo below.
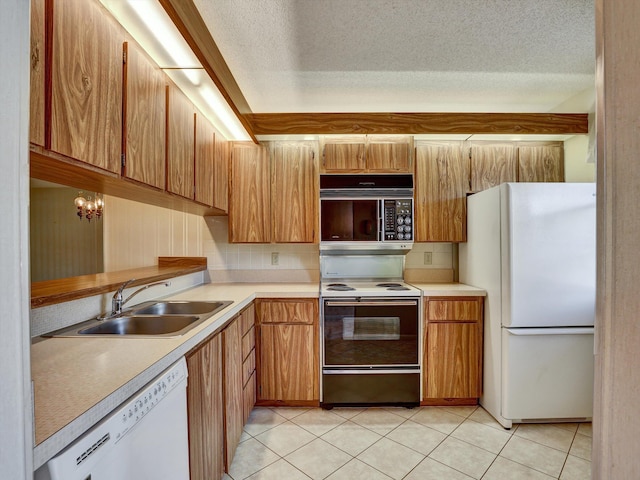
(397, 219)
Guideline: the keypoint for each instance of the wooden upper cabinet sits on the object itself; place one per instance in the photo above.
(86, 103)
(294, 192)
(144, 118)
(389, 154)
(374, 154)
(37, 88)
(205, 158)
(221, 173)
(441, 184)
(180, 143)
(541, 163)
(343, 157)
(249, 197)
(493, 164)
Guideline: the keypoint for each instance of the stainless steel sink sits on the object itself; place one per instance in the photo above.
(149, 319)
(180, 308)
(142, 325)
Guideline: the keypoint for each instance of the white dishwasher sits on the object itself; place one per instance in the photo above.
(145, 438)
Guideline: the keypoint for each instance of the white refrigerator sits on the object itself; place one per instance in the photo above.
(532, 247)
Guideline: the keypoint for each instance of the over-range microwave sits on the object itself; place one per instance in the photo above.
(366, 213)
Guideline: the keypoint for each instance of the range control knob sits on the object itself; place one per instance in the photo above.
(407, 220)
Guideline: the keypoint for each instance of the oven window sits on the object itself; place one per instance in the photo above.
(372, 334)
(346, 220)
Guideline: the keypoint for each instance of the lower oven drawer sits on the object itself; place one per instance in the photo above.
(360, 388)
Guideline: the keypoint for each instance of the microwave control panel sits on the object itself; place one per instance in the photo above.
(398, 219)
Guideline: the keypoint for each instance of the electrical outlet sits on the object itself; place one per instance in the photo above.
(275, 258)
(428, 258)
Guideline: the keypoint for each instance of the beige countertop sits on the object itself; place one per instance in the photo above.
(449, 290)
(77, 381)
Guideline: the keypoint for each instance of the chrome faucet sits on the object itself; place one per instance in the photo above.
(117, 301)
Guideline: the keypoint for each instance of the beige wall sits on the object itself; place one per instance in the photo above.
(576, 167)
(136, 234)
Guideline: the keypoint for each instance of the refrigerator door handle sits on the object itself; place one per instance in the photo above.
(551, 331)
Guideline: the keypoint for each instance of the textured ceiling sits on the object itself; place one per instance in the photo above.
(407, 55)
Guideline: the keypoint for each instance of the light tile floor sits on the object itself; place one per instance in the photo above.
(427, 443)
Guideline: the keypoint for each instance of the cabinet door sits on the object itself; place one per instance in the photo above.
(288, 366)
(180, 143)
(492, 165)
(343, 157)
(441, 184)
(144, 118)
(233, 394)
(393, 155)
(221, 174)
(86, 104)
(288, 311)
(205, 409)
(37, 85)
(543, 163)
(294, 193)
(249, 200)
(452, 366)
(205, 158)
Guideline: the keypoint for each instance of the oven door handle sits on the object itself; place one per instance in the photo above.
(369, 372)
(399, 303)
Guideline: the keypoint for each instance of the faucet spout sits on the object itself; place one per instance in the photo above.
(118, 301)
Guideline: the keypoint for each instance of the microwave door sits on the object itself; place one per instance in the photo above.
(365, 220)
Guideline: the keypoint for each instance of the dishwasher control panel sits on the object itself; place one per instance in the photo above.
(141, 404)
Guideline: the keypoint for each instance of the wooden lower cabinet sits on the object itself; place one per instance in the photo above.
(452, 354)
(287, 342)
(233, 395)
(205, 411)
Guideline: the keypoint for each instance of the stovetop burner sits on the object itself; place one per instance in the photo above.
(339, 287)
(398, 287)
(391, 284)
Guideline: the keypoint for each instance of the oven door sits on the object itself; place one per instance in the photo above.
(370, 332)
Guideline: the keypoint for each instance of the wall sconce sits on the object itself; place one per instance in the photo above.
(88, 208)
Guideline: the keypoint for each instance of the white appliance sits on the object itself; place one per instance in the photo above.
(146, 438)
(532, 247)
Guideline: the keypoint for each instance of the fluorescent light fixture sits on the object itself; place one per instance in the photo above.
(150, 26)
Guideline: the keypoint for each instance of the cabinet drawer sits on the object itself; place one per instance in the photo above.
(248, 367)
(247, 319)
(454, 310)
(248, 397)
(248, 342)
(283, 311)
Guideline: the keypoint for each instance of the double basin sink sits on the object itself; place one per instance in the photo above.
(149, 319)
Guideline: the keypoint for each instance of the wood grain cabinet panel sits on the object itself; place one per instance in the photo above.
(288, 311)
(294, 192)
(389, 154)
(180, 143)
(221, 173)
(86, 84)
(205, 411)
(452, 353)
(249, 397)
(204, 160)
(451, 363)
(249, 194)
(37, 75)
(233, 394)
(492, 165)
(541, 163)
(144, 118)
(343, 157)
(441, 184)
(288, 370)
